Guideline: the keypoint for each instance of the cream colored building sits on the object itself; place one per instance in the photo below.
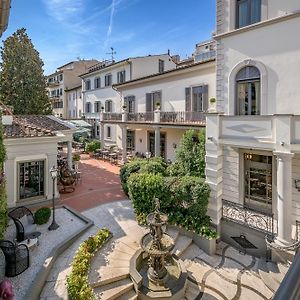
(75, 103)
(99, 94)
(159, 108)
(253, 138)
(4, 14)
(65, 78)
(31, 150)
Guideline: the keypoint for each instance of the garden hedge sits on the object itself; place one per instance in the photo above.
(42, 215)
(93, 146)
(77, 282)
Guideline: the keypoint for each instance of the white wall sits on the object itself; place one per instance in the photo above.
(75, 103)
(173, 88)
(279, 52)
(28, 149)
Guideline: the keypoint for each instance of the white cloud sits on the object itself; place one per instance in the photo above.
(111, 20)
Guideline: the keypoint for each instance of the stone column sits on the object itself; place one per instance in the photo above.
(69, 155)
(101, 135)
(157, 141)
(157, 115)
(124, 143)
(284, 196)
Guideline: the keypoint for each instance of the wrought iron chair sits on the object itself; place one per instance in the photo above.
(24, 221)
(16, 258)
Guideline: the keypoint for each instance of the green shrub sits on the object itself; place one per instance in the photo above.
(154, 165)
(42, 215)
(3, 210)
(77, 282)
(76, 157)
(92, 146)
(143, 188)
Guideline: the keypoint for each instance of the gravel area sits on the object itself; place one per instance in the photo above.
(48, 240)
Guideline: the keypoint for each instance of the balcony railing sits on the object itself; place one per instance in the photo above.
(261, 221)
(112, 116)
(181, 117)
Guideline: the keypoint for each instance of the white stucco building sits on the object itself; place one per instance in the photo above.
(159, 108)
(31, 150)
(98, 91)
(75, 103)
(253, 138)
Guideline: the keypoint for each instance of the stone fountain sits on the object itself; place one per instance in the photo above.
(155, 272)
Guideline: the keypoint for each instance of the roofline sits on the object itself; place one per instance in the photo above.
(122, 61)
(74, 88)
(164, 73)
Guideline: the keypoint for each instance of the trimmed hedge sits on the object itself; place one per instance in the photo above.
(92, 146)
(77, 282)
(155, 165)
(42, 215)
(3, 210)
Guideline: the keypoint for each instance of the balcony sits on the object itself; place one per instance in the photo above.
(157, 117)
(53, 83)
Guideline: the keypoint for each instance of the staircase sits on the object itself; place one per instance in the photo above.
(110, 278)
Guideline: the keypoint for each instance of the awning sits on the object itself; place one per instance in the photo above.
(80, 123)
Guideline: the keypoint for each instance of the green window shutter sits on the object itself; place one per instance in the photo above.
(188, 99)
(205, 97)
(148, 102)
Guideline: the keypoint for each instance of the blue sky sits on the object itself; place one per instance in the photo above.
(62, 30)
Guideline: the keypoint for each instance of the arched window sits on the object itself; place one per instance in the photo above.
(248, 91)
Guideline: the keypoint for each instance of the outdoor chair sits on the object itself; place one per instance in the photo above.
(24, 221)
(16, 258)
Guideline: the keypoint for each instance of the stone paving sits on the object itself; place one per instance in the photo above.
(226, 275)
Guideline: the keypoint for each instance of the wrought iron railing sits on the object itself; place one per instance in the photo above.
(183, 117)
(140, 117)
(262, 221)
(112, 116)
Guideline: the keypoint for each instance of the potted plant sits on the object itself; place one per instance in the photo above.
(157, 105)
(76, 159)
(124, 107)
(212, 100)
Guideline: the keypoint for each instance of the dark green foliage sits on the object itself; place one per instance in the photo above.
(190, 157)
(22, 83)
(93, 146)
(155, 165)
(78, 282)
(143, 187)
(42, 215)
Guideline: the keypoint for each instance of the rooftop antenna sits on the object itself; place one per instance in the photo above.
(112, 53)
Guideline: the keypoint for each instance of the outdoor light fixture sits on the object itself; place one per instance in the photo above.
(54, 173)
(148, 154)
(297, 184)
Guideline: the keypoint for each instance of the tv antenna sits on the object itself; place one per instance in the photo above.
(112, 53)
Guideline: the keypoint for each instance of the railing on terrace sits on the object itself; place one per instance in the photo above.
(112, 116)
(262, 221)
(183, 117)
(140, 117)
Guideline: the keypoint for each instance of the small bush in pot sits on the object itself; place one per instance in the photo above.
(42, 215)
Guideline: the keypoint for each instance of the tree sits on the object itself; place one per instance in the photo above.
(190, 157)
(22, 83)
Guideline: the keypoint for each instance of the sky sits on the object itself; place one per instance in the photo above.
(65, 30)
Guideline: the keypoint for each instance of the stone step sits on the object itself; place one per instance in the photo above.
(173, 232)
(266, 276)
(181, 245)
(274, 270)
(113, 290)
(109, 275)
(131, 295)
(192, 291)
(191, 252)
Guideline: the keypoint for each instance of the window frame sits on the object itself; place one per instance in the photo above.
(108, 132)
(87, 85)
(108, 103)
(97, 82)
(88, 107)
(121, 76)
(108, 80)
(249, 16)
(161, 66)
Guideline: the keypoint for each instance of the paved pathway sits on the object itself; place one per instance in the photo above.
(226, 275)
(99, 184)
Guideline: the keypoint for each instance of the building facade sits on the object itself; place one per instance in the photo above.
(65, 78)
(253, 158)
(158, 109)
(75, 103)
(4, 14)
(99, 94)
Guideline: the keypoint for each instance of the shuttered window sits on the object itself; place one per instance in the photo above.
(97, 106)
(196, 98)
(121, 76)
(129, 101)
(152, 100)
(108, 79)
(108, 106)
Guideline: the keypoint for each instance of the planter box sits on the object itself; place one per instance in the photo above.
(207, 245)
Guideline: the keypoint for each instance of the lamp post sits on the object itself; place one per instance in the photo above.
(53, 173)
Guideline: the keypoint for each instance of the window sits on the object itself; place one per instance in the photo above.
(74, 96)
(97, 106)
(108, 79)
(87, 85)
(248, 91)
(129, 101)
(97, 130)
(258, 181)
(121, 76)
(247, 12)
(97, 83)
(152, 99)
(108, 132)
(74, 113)
(196, 98)
(31, 179)
(108, 106)
(130, 143)
(60, 77)
(88, 107)
(60, 92)
(80, 113)
(161, 66)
